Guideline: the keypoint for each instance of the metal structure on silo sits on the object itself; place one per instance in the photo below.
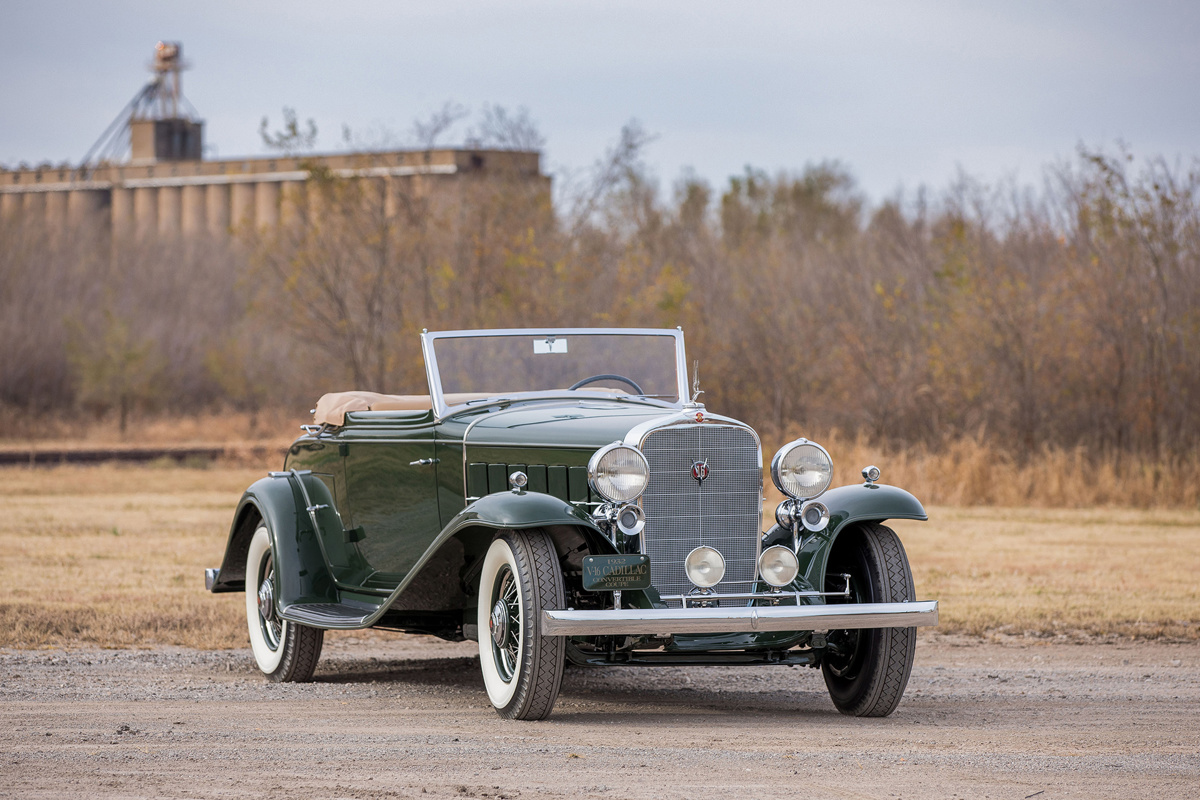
(146, 176)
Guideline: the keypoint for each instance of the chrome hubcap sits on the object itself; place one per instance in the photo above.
(271, 625)
(505, 623)
(498, 623)
(266, 600)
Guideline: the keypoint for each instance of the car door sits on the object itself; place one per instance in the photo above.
(391, 481)
(326, 493)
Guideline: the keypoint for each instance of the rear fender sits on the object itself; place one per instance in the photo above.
(847, 505)
(301, 573)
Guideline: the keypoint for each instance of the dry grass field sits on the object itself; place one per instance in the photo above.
(969, 472)
(960, 472)
(113, 556)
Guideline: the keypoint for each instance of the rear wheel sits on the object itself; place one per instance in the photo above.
(285, 651)
(866, 671)
(522, 669)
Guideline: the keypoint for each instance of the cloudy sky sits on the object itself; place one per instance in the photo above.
(903, 94)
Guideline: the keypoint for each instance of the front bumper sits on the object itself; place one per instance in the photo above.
(667, 621)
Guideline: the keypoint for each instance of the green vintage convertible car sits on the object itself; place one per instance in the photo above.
(559, 495)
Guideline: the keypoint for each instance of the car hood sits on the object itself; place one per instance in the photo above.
(576, 424)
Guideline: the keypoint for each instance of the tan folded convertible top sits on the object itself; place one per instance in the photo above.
(332, 408)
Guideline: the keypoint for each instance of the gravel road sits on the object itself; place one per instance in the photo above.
(397, 716)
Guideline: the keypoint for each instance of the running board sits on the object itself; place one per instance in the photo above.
(345, 615)
(666, 621)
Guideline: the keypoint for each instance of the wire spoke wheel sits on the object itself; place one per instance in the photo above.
(272, 625)
(522, 670)
(284, 651)
(506, 625)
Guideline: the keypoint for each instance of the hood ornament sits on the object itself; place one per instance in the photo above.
(694, 404)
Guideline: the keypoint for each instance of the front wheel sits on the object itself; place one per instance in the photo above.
(285, 651)
(866, 671)
(522, 669)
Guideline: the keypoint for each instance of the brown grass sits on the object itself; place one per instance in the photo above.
(1093, 573)
(114, 556)
(961, 472)
(280, 425)
(968, 472)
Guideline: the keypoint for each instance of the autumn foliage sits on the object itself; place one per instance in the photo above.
(1060, 319)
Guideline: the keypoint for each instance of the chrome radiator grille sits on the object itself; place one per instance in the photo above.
(722, 512)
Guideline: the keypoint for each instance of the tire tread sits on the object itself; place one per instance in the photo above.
(541, 579)
(892, 666)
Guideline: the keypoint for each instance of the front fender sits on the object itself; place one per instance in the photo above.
(301, 574)
(847, 505)
(519, 510)
(475, 526)
(876, 501)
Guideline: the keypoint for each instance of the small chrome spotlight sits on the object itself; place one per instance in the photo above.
(631, 520)
(705, 567)
(814, 515)
(778, 566)
(870, 474)
(518, 480)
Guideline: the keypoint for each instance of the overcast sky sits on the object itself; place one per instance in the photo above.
(902, 93)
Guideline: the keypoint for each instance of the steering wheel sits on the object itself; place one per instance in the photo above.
(636, 389)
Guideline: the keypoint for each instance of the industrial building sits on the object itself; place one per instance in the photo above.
(146, 177)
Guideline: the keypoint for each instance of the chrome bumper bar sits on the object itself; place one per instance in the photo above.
(665, 621)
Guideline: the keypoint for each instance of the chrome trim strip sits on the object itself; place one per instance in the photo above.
(467, 433)
(524, 445)
(432, 376)
(663, 621)
(372, 440)
(708, 598)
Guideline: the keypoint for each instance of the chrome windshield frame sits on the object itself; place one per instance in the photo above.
(441, 410)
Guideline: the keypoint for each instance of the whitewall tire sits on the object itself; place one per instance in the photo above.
(284, 651)
(522, 670)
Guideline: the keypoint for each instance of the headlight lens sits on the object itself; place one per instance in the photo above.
(618, 473)
(802, 469)
(778, 565)
(705, 567)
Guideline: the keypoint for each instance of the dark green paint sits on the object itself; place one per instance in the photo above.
(300, 563)
(387, 518)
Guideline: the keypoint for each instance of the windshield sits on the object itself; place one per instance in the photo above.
(479, 365)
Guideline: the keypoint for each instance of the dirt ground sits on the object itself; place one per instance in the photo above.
(401, 716)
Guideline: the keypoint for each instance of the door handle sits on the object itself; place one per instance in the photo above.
(421, 462)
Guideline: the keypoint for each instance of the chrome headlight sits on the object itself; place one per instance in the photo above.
(705, 567)
(618, 473)
(802, 469)
(778, 565)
